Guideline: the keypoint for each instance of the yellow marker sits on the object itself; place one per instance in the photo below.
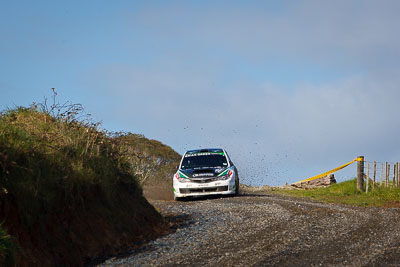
(329, 172)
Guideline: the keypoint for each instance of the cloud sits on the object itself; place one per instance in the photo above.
(352, 34)
(290, 88)
(192, 83)
(311, 125)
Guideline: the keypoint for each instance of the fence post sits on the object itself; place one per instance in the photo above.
(373, 185)
(388, 175)
(360, 174)
(398, 174)
(367, 187)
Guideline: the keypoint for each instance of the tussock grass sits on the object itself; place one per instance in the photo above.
(149, 160)
(7, 248)
(347, 193)
(42, 156)
(54, 159)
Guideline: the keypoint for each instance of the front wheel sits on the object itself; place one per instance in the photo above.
(178, 198)
(237, 185)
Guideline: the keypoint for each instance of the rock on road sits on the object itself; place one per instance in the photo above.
(265, 230)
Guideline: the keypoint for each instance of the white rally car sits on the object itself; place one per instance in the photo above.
(205, 172)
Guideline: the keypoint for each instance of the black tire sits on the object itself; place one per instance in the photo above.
(237, 185)
(178, 198)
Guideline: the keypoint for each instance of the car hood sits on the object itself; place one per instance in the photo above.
(203, 172)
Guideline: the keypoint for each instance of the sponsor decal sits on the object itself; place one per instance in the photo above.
(197, 154)
(219, 170)
(203, 174)
(223, 173)
(182, 175)
(204, 154)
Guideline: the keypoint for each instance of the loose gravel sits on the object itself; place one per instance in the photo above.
(264, 230)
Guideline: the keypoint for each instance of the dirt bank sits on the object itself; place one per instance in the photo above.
(72, 234)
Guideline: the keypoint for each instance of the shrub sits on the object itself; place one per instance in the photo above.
(7, 248)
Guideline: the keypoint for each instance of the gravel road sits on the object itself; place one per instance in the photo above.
(265, 230)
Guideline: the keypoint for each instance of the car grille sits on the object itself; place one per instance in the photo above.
(202, 181)
(203, 190)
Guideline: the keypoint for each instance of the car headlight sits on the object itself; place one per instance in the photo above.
(225, 175)
(181, 177)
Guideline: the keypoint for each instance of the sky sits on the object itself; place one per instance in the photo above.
(289, 88)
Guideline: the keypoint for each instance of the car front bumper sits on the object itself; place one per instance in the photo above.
(220, 187)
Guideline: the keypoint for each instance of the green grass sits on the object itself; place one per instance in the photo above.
(347, 193)
(49, 164)
(42, 157)
(149, 160)
(7, 248)
(56, 162)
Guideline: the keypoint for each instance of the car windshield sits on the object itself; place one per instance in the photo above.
(201, 161)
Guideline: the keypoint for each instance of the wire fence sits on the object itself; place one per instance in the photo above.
(382, 174)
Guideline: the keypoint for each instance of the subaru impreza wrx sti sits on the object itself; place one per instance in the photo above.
(205, 172)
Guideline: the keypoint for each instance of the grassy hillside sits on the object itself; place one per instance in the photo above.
(347, 193)
(152, 162)
(67, 190)
(149, 160)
